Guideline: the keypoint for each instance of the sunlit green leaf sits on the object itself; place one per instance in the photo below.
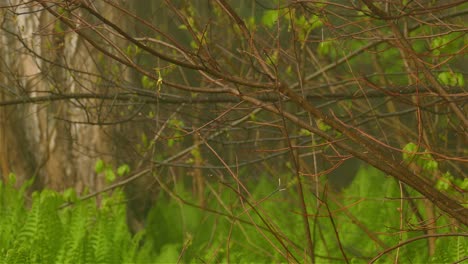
(324, 48)
(322, 126)
(99, 166)
(464, 184)
(123, 169)
(451, 79)
(304, 132)
(109, 175)
(444, 182)
(270, 17)
(409, 150)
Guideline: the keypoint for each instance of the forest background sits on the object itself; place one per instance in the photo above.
(284, 131)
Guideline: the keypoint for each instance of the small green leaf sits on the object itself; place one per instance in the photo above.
(109, 175)
(460, 79)
(144, 139)
(193, 44)
(251, 25)
(253, 117)
(301, 21)
(123, 169)
(430, 164)
(304, 132)
(170, 142)
(176, 123)
(409, 151)
(451, 79)
(137, 50)
(270, 17)
(443, 183)
(464, 184)
(99, 166)
(196, 153)
(70, 195)
(272, 59)
(444, 78)
(128, 50)
(289, 71)
(146, 82)
(324, 48)
(322, 126)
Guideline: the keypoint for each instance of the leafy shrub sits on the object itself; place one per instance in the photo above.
(79, 233)
(263, 225)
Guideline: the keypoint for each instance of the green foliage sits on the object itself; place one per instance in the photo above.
(109, 175)
(451, 79)
(447, 44)
(413, 154)
(447, 180)
(379, 216)
(258, 228)
(172, 222)
(79, 233)
(322, 126)
(450, 250)
(251, 24)
(108, 170)
(304, 26)
(123, 169)
(196, 155)
(132, 50)
(304, 132)
(325, 47)
(270, 17)
(12, 213)
(423, 160)
(99, 166)
(147, 83)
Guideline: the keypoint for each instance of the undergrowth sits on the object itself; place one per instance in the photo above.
(79, 233)
(261, 225)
